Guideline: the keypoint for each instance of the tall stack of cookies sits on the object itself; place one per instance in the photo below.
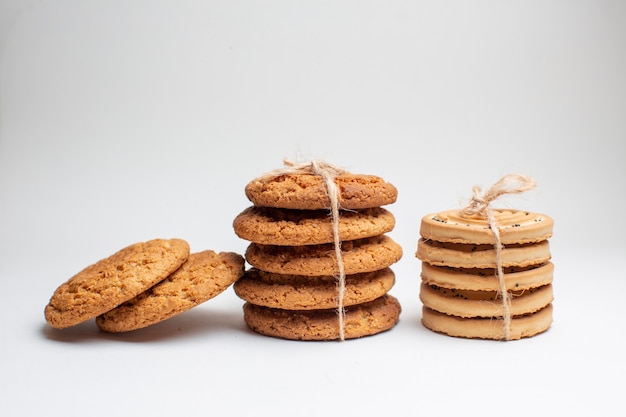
(486, 273)
(319, 253)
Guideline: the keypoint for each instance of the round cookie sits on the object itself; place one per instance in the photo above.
(514, 226)
(464, 255)
(308, 191)
(203, 276)
(516, 278)
(361, 320)
(362, 255)
(465, 303)
(487, 328)
(271, 226)
(111, 281)
(297, 292)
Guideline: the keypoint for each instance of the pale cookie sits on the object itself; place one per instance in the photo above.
(463, 255)
(487, 328)
(203, 276)
(361, 320)
(514, 226)
(466, 303)
(363, 255)
(272, 226)
(308, 191)
(297, 292)
(114, 280)
(515, 278)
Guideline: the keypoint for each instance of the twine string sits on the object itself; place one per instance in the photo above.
(480, 205)
(327, 172)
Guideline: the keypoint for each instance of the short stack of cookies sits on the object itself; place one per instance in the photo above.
(461, 291)
(291, 289)
(141, 285)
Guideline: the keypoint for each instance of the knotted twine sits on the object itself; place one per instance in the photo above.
(480, 205)
(328, 172)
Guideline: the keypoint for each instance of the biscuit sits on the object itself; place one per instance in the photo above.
(469, 255)
(297, 292)
(469, 303)
(487, 328)
(308, 191)
(271, 226)
(202, 277)
(361, 320)
(514, 226)
(362, 255)
(477, 279)
(111, 281)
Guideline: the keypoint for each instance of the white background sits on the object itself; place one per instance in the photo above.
(123, 121)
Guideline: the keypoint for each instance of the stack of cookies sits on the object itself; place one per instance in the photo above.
(461, 288)
(292, 289)
(142, 284)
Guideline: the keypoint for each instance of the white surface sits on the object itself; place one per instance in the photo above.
(125, 121)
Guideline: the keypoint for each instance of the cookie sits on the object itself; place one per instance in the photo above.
(470, 255)
(305, 191)
(361, 320)
(488, 328)
(469, 303)
(203, 276)
(362, 255)
(111, 281)
(514, 226)
(297, 292)
(477, 279)
(271, 226)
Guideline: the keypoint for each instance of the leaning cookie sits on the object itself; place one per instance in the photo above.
(361, 320)
(305, 191)
(205, 275)
(114, 280)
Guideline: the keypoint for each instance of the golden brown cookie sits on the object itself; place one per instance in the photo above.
(203, 276)
(272, 226)
(467, 255)
(297, 292)
(361, 320)
(516, 278)
(304, 191)
(362, 255)
(468, 303)
(114, 280)
(514, 226)
(487, 328)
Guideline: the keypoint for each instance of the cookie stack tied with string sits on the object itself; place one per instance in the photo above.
(319, 253)
(486, 272)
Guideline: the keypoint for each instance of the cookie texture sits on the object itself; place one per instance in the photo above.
(468, 303)
(112, 281)
(466, 255)
(308, 191)
(202, 277)
(486, 279)
(363, 255)
(515, 226)
(298, 292)
(361, 320)
(271, 226)
(488, 328)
